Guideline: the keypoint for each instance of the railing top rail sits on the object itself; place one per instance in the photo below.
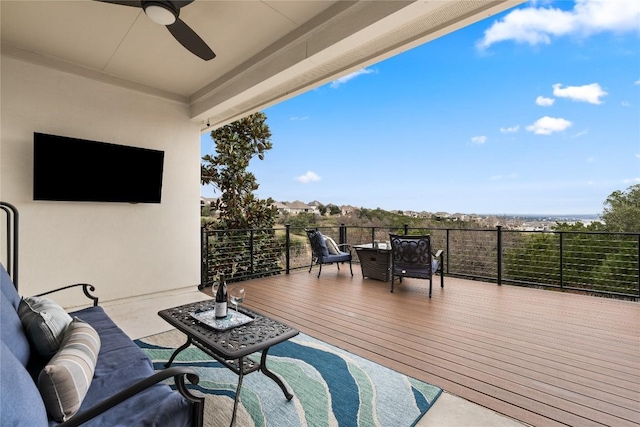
(609, 233)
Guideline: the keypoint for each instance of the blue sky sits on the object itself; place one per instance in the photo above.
(533, 111)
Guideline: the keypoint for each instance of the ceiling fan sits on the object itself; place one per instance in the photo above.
(167, 13)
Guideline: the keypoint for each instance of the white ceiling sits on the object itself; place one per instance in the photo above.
(267, 51)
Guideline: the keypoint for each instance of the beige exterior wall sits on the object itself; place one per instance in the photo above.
(123, 249)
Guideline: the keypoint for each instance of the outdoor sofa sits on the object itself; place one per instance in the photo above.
(97, 375)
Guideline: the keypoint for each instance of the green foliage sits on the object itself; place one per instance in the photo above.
(619, 269)
(622, 210)
(591, 259)
(236, 144)
(334, 209)
(239, 209)
(579, 226)
(302, 220)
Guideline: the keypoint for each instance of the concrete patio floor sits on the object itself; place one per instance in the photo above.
(138, 318)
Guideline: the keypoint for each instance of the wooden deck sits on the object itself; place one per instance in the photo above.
(542, 357)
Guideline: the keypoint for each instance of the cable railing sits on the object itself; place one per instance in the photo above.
(599, 263)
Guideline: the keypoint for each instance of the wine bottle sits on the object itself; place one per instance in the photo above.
(221, 299)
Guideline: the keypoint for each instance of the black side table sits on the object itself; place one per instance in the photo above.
(375, 262)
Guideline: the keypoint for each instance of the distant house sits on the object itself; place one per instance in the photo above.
(347, 209)
(295, 208)
(459, 217)
(298, 207)
(282, 208)
(204, 201)
(442, 216)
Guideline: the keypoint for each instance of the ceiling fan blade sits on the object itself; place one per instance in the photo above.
(182, 3)
(132, 3)
(189, 39)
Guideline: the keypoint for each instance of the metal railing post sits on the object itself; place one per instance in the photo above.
(204, 258)
(343, 234)
(251, 247)
(561, 261)
(373, 234)
(287, 244)
(447, 249)
(406, 229)
(499, 263)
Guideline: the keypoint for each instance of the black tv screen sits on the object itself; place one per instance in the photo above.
(79, 170)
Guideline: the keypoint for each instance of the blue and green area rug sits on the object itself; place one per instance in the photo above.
(331, 387)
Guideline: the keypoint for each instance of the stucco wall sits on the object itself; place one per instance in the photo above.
(123, 249)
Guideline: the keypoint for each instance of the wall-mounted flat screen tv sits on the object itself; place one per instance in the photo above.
(79, 170)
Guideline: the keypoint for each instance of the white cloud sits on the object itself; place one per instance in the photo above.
(581, 133)
(637, 82)
(544, 102)
(548, 125)
(342, 80)
(308, 177)
(512, 129)
(631, 181)
(625, 104)
(587, 93)
(495, 178)
(298, 118)
(535, 25)
(638, 156)
(591, 159)
(479, 140)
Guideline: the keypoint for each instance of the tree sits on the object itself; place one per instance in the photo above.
(236, 144)
(334, 210)
(240, 210)
(622, 210)
(591, 259)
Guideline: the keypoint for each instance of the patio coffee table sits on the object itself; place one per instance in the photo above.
(233, 346)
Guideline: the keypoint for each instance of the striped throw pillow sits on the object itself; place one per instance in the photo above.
(44, 322)
(64, 382)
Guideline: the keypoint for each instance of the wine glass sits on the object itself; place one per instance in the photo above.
(236, 295)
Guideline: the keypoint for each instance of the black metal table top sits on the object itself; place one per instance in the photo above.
(261, 333)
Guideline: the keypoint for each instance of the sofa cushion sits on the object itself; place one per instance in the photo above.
(341, 257)
(8, 289)
(65, 380)
(12, 333)
(121, 363)
(44, 322)
(22, 406)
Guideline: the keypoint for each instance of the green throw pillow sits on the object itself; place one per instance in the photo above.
(64, 382)
(44, 322)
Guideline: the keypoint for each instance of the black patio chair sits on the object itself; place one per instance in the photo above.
(411, 256)
(323, 253)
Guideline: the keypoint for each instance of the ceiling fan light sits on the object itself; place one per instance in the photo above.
(158, 13)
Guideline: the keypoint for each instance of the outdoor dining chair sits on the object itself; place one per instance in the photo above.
(325, 251)
(411, 256)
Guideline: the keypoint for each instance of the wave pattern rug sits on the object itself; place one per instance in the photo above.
(331, 387)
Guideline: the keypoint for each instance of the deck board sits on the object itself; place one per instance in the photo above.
(543, 357)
